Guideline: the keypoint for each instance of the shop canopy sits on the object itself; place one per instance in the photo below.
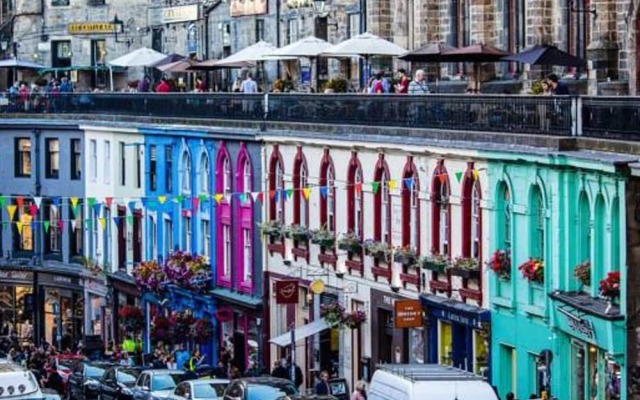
(19, 64)
(301, 332)
(89, 68)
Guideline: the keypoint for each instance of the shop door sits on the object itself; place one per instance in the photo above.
(577, 370)
(122, 238)
(385, 336)
(459, 347)
(137, 237)
(239, 353)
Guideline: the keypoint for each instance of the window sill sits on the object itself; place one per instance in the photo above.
(411, 279)
(534, 310)
(299, 252)
(246, 287)
(381, 271)
(224, 281)
(354, 265)
(502, 302)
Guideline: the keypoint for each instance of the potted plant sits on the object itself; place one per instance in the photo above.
(150, 276)
(500, 264)
(354, 319)
(380, 251)
(533, 270)
(350, 242)
(298, 233)
(406, 256)
(323, 237)
(332, 313)
(435, 262)
(582, 272)
(131, 318)
(272, 229)
(336, 85)
(610, 286)
(465, 267)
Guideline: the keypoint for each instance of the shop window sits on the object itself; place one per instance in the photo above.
(446, 343)
(185, 173)
(76, 230)
(93, 159)
(23, 235)
(276, 185)
(76, 159)
(52, 158)
(107, 162)
(205, 174)
(327, 201)
(186, 226)
(300, 181)
(63, 317)
(481, 352)
(22, 157)
(382, 202)
(123, 164)
(168, 160)
(168, 236)
(16, 312)
(153, 168)
(355, 198)
(61, 51)
(410, 207)
(537, 223)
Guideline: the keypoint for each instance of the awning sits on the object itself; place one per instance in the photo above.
(236, 298)
(301, 332)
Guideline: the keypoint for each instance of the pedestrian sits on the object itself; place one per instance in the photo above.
(418, 85)
(144, 85)
(249, 85)
(54, 380)
(359, 392)
(200, 85)
(322, 387)
(557, 88)
(163, 86)
(280, 371)
(402, 87)
(375, 85)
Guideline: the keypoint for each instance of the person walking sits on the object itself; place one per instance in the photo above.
(418, 85)
(249, 85)
(402, 87)
(557, 88)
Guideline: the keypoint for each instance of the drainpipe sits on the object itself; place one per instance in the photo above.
(37, 259)
(266, 292)
(277, 36)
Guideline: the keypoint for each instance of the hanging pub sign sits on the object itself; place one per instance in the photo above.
(287, 292)
(407, 314)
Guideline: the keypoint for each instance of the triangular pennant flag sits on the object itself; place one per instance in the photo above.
(3, 201)
(19, 226)
(74, 201)
(61, 226)
(218, 197)
(108, 201)
(203, 198)
(272, 194)
(132, 206)
(179, 198)
(74, 211)
(33, 225)
(91, 201)
(375, 186)
(88, 223)
(243, 198)
(38, 201)
(276, 196)
(97, 208)
(56, 201)
(145, 202)
(33, 210)
(392, 185)
(162, 199)
(20, 202)
(475, 173)
(195, 202)
(358, 188)
(116, 220)
(323, 192)
(227, 198)
(306, 192)
(283, 194)
(130, 219)
(103, 222)
(46, 225)
(443, 178)
(260, 197)
(408, 182)
(289, 193)
(458, 176)
(11, 209)
(74, 224)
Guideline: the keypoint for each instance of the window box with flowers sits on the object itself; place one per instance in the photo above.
(500, 264)
(350, 242)
(405, 256)
(465, 267)
(150, 277)
(272, 229)
(333, 313)
(380, 251)
(354, 319)
(582, 272)
(323, 238)
(610, 286)
(435, 262)
(533, 270)
(298, 233)
(190, 272)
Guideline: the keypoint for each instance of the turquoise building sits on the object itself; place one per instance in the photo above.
(553, 332)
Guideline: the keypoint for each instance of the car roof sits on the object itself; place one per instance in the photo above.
(265, 380)
(209, 381)
(164, 371)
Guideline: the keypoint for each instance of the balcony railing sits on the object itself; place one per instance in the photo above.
(600, 117)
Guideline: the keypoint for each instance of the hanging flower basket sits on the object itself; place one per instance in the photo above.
(582, 272)
(500, 264)
(323, 238)
(202, 331)
(350, 242)
(435, 262)
(160, 329)
(465, 267)
(190, 272)
(333, 313)
(150, 277)
(131, 317)
(354, 319)
(533, 270)
(610, 286)
(380, 251)
(272, 229)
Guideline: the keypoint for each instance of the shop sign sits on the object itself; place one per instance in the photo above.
(407, 314)
(16, 276)
(58, 280)
(287, 292)
(192, 39)
(458, 319)
(579, 325)
(172, 15)
(85, 28)
(241, 8)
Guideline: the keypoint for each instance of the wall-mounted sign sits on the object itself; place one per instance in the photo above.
(172, 15)
(287, 292)
(317, 286)
(579, 325)
(16, 276)
(192, 39)
(241, 8)
(85, 28)
(299, 3)
(408, 314)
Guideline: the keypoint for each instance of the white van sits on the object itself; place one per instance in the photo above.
(17, 383)
(427, 382)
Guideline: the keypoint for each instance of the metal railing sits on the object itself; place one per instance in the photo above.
(600, 117)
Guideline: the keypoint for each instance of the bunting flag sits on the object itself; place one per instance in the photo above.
(91, 201)
(458, 176)
(3, 201)
(218, 197)
(11, 209)
(276, 196)
(116, 220)
(306, 192)
(56, 201)
(195, 202)
(103, 222)
(19, 226)
(392, 185)
(132, 206)
(88, 223)
(243, 198)
(61, 226)
(443, 178)
(324, 191)
(475, 173)
(108, 201)
(408, 183)
(375, 186)
(74, 211)
(74, 224)
(33, 210)
(357, 188)
(38, 201)
(97, 208)
(162, 199)
(130, 219)
(74, 202)
(227, 198)
(272, 194)
(260, 197)
(20, 202)
(46, 225)
(179, 198)
(289, 193)
(203, 198)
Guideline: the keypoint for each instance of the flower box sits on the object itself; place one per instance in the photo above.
(323, 238)
(354, 265)
(410, 278)
(328, 258)
(379, 251)
(275, 248)
(299, 252)
(465, 272)
(582, 273)
(533, 270)
(472, 294)
(272, 229)
(350, 243)
(610, 286)
(435, 266)
(500, 264)
(297, 232)
(406, 258)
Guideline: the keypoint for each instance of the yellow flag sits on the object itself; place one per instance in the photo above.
(392, 185)
(218, 197)
(11, 209)
(19, 226)
(102, 222)
(162, 199)
(306, 192)
(74, 201)
(475, 173)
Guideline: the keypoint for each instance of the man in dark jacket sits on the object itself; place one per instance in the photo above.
(280, 370)
(322, 387)
(557, 88)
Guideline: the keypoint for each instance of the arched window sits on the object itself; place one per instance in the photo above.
(244, 216)
(410, 206)
(300, 182)
(382, 202)
(476, 220)
(471, 214)
(505, 217)
(599, 265)
(441, 211)
(223, 218)
(276, 186)
(537, 223)
(327, 201)
(584, 229)
(615, 235)
(355, 198)
(186, 172)
(205, 174)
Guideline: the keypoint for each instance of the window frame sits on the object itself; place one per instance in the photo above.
(23, 158)
(107, 161)
(153, 167)
(382, 202)
(93, 159)
(52, 158)
(168, 177)
(276, 185)
(355, 198)
(411, 206)
(185, 169)
(76, 159)
(327, 202)
(123, 164)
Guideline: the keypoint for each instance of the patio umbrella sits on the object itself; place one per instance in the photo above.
(178, 66)
(546, 55)
(477, 53)
(19, 64)
(431, 52)
(171, 58)
(142, 57)
(309, 47)
(253, 53)
(211, 65)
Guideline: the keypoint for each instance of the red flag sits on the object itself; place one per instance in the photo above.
(61, 226)
(443, 178)
(33, 210)
(20, 202)
(358, 188)
(195, 201)
(260, 197)
(272, 194)
(108, 200)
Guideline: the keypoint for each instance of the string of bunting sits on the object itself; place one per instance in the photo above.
(27, 216)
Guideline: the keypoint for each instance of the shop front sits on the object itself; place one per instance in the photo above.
(17, 308)
(124, 292)
(97, 326)
(61, 322)
(458, 334)
(591, 343)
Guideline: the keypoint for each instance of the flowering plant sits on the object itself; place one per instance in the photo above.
(299, 233)
(160, 328)
(405, 255)
(202, 331)
(150, 276)
(610, 286)
(435, 262)
(323, 237)
(354, 319)
(131, 317)
(379, 250)
(333, 313)
(272, 228)
(500, 264)
(533, 270)
(350, 242)
(181, 324)
(468, 263)
(191, 272)
(582, 272)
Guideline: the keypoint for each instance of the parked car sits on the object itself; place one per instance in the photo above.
(65, 364)
(117, 383)
(203, 389)
(84, 382)
(156, 384)
(18, 383)
(260, 388)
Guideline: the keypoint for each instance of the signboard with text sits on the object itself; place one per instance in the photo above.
(287, 292)
(407, 314)
(241, 8)
(173, 15)
(86, 28)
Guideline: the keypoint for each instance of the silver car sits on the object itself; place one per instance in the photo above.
(203, 389)
(156, 384)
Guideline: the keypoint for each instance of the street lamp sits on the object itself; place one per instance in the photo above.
(319, 6)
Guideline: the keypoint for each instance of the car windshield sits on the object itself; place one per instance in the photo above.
(93, 371)
(209, 390)
(265, 392)
(165, 381)
(127, 376)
